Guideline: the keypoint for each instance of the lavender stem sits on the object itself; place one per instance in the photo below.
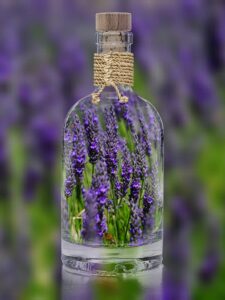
(127, 226)
(115, 212)
(141, 192)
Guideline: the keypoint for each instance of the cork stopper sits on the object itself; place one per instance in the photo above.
(113, 21)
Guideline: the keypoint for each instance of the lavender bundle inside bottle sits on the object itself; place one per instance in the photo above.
(112, 195)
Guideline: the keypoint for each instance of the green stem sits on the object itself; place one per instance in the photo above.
(128, 223)
(116, 228)
(115, 212)
(141, 192)
(78, 205)
(93, 170)
(86, 176)
(120, 200)
(78, 196)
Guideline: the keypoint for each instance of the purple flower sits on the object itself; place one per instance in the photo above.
(135, 188)
(140, 159)
(89, 229)
(144, 136)
(148, 210)
(123, 111)
(139, 171)
(70, 181)
(69, 185)
(118, 186)
(67, 138)
(78, 155)
(127, 169)
(70, 58)
(31, 181)
(100, 187)
(121, 186)
(135, 223)
(5, 67)
(111, 142)
(91, 126)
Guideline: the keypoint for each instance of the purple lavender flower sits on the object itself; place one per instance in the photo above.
(100, 187)
(148, 210)
(123, 111)
(67, 138)
(139, 171)
(70, 181)
(118, 187)
(89, 228)
(121, 186)
(127, 169)
(144, 136)
(135, 186)
(140, 159)
(111, 142)
(69, 185)
(91, 126)
(135, 223)
(78, 155)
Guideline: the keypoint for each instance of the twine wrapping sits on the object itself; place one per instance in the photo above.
(113, 69)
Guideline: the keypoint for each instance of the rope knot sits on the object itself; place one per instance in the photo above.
(123, 99)
(95, 98)
(112, 69)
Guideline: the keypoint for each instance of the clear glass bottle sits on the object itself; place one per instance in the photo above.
(112, 195)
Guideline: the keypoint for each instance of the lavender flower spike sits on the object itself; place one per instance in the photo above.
(100, 187)
(123, 111)
(91, 126)
(135, 223)
(140, 158)
(78, 155)
(136, 182)
(148, 211)
(89, 229)
(70, 181)
(69, 185)
(111, 143)
(126, 169)
(144, 136)
(122, 185)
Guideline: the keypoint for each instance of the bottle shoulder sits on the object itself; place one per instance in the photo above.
(154, 111)
(136, 111)
(76, 107)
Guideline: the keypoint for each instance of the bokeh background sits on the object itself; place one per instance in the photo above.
(46, 49)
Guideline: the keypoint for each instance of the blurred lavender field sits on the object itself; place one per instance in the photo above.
(46, 52)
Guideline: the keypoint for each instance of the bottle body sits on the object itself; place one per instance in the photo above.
(112, 199)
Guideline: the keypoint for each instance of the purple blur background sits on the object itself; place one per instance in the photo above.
(46, 50)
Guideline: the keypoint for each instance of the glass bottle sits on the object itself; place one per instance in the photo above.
(112, 195)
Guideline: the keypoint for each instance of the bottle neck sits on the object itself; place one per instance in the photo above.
(114, 41)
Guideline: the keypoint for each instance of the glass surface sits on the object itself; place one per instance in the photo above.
(112, 202)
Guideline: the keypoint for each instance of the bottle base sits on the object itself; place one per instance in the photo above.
(91, 261)
(114, 267)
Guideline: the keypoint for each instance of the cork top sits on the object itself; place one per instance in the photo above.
(113, 21)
